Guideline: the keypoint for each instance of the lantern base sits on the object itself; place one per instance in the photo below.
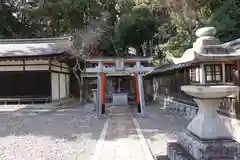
(191, 147)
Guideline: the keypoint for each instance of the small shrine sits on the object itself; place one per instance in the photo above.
(206, 136)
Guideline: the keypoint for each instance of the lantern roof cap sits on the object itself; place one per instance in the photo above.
(206, 31)
(208, 48)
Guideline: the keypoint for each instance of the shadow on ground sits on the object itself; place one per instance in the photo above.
(67, 124)
(158, 128)
(80, 120)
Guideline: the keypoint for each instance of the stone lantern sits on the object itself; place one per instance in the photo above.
(206, 136)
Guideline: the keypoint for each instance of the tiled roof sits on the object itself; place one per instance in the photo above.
(34, 47)
(232, 46)
(235, 44)
(168, 67)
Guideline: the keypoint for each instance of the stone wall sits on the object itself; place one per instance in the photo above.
(167, 94)
(176, 108)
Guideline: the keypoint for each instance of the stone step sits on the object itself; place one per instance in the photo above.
(162, 157)
(119, 110)
(176, 152)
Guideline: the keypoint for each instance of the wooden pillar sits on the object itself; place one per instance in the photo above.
(119, 85)
(131, 85)
(176, 84)
(116, 84)
(86, 89)
(185, 76)
(99, 107)
(237, 74)
(137, 95)
(103, 92)
(237, 106)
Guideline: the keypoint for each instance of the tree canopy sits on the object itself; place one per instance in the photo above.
(110, 27)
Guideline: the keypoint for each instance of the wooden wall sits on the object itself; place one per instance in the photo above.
(60, 76)
(58, 72)
(30, 84)
(169, 85)
(230, 106)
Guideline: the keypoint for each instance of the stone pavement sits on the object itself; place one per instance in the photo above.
(123, 140)
(159, 128)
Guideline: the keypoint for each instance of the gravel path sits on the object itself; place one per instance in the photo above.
(69, 134)
(158, 128)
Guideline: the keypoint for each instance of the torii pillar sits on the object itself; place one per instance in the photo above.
(140, 101)
(101, 90)
(104, 81)
(137, 94)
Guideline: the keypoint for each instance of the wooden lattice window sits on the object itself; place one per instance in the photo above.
(195, 74)
(229, 72)
(213, 73)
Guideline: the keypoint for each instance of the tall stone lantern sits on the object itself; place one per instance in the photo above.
(206, 137)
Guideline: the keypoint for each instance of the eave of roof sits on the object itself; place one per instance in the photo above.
(94, 59)
(36, 40)
(168, 68)
(63, 55)
(35, 48)
(235, 45)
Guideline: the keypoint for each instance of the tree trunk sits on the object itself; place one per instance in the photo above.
(139, 50)
(80, 85)
(86, 92)
(1, 4)
(81, 89)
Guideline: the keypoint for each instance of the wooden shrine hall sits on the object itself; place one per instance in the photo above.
(34, 70)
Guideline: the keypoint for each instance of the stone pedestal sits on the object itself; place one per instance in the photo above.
(216, 149)
(206, 137)
(190, 147)
(207, 124)
(120, 99)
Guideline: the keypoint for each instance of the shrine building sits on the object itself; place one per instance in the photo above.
(34, 70)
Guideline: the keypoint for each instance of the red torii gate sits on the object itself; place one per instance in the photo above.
(138, 69)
